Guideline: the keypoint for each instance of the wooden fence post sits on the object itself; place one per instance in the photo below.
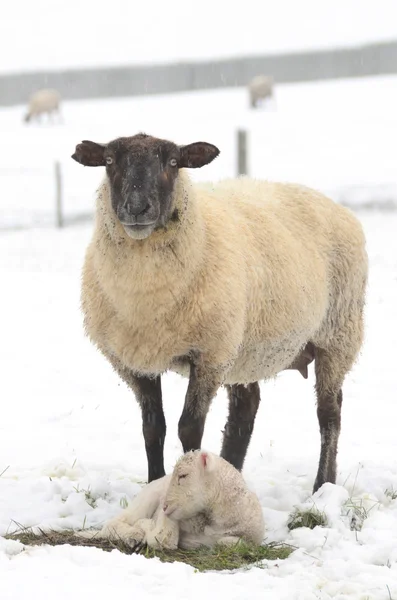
(242, 168)
(58, 194)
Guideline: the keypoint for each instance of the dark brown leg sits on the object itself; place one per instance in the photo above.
(243, 406)
(329, 418)
(148, 395)
(203, 385)
(329, 403)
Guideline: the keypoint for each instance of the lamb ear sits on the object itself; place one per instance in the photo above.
(90, 154)
(194, 156)
(205, 460)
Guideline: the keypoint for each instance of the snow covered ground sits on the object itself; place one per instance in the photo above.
(69, 426)
(336, 135)
(53, 34)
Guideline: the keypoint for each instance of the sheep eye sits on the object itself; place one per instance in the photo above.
(174, 163)
(109, 160)
(182, 476)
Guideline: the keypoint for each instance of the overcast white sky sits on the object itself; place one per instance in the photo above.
(46, 34)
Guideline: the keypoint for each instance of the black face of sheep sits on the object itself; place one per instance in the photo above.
(142, 171)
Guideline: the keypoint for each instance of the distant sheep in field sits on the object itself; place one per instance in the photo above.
(204, 502)
(41, 102)
(260, 88)
(226, 284)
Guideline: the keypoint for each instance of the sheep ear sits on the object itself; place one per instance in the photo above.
(90, 154)
(197, 155)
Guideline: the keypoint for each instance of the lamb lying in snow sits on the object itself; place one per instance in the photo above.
(204, 502)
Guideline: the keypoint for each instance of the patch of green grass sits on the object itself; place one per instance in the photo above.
(358, 510)
(391, 493)
(357, 513)
(124, 502)
(306, 518)
(219, 558)
(89, 498)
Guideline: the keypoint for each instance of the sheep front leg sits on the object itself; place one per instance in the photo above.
(243, 406)
(148, 394)
(164, 534)
(159, 533)
(204, 382)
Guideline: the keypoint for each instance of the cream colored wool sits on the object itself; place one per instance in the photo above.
(204, 502)
(260, 88)
(249, 274)
(43, 101)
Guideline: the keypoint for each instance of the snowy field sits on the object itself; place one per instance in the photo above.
(337, 136)
(54, 34)
(69, 426)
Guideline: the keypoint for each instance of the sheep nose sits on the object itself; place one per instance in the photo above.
(165, 506)
(135, 209)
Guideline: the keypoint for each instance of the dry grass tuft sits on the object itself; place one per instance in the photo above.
(203, 559)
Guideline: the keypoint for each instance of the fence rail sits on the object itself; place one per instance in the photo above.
(138, 80)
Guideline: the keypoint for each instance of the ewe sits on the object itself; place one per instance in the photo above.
(41, 102)
(260, 88)
(226, 284)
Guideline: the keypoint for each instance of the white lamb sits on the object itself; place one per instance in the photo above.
(204, 502)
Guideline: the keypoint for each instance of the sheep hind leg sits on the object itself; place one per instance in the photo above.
(330, 369)
(243, 406)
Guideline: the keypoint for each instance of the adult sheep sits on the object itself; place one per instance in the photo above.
(227, 285)
(204, 502)
(260, 88)
(41, 102)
